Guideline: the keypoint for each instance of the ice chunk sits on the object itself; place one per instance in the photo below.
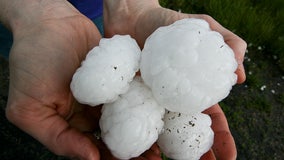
(186, 136)
(132, 123)
(188, 66)
(107, 71)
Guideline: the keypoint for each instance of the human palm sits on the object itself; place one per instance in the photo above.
(45, 54)
(43, 58)
(49, 46)
(145, 17)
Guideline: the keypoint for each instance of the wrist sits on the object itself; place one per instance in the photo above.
(6, 12)
(137, 18)
(15, 13)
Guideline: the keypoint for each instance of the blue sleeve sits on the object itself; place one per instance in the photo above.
(90, 8)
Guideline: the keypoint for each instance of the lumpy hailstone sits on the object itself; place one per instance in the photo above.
(107, 71)
(188, 66)
(186, 136)
(131, 124)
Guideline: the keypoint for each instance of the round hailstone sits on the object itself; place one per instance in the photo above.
(107, 71)
(186, 136)
(188, 66)
(131, 124)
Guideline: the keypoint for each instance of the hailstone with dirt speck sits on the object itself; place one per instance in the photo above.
(131, 124)
(188, 66)
(186, 136)
(107, 71)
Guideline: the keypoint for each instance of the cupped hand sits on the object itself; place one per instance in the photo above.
(141, 18)
(48, 47)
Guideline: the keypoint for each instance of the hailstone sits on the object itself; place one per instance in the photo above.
(188, 66)
(107, 71)
(186, 136)
(131, 124)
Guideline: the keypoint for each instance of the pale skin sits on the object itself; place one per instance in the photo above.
(51, 38)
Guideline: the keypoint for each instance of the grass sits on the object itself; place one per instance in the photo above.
(254, 109)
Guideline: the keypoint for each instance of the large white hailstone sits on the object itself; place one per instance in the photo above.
(188, 66)
(186, 136)
(107, 71)
(131, 124)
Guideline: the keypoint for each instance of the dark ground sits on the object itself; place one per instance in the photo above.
(255, 109)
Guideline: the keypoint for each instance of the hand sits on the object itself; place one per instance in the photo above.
(48, 47)
(140, 18)
(51, 38)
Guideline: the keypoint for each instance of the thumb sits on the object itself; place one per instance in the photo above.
(64, 140)
(75, 144)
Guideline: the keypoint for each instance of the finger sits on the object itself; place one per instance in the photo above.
(104, 151)
(239, 47)
(237, 44)
(75, 144)
(219, 121)
(208, 156)
(224, 145)
(241, 74)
